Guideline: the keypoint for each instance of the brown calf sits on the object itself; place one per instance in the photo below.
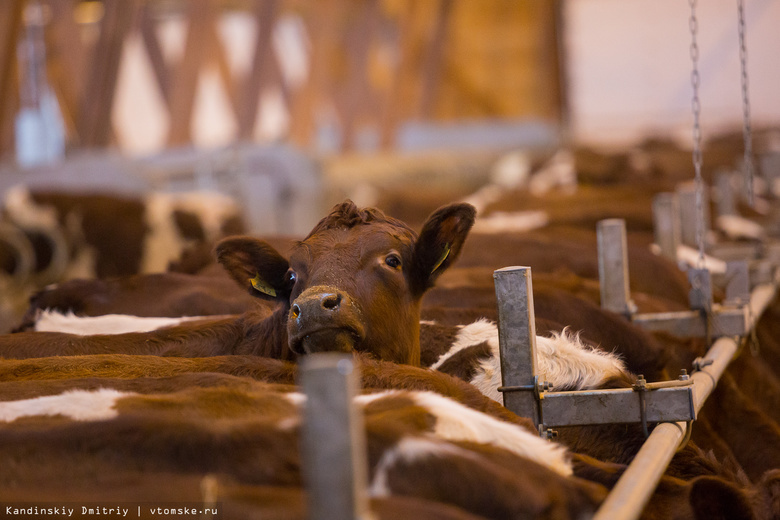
(355, 283)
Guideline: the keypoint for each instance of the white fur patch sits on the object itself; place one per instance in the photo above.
(558, 172)
(469, 335)
(164, 242)
(69, 323)
(457, 422)
(737, 227)
(562, 360)
(409, 449)
(485, 196)
(79, 405)
(687, 255)
(25, 212)
(510, 222)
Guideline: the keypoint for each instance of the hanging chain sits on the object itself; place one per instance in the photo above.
(693, 24)
(746, 129)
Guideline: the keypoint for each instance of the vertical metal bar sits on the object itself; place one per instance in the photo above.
(666, 223)
(333, 445)
(613, 266)
(737, 282)
(517, 338)
(726, 202)
(686, 195)
(700, 295)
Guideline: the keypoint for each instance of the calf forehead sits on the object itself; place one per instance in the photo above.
(355, 243)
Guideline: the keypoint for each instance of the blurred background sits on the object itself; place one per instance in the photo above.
(288, 106)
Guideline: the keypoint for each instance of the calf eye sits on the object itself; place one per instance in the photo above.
(290, 277)
(393, 260)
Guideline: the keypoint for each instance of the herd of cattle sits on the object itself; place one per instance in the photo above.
(131, 384)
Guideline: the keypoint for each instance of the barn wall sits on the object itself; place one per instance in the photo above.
(629, 66)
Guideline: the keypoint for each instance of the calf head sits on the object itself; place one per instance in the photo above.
(356, 281)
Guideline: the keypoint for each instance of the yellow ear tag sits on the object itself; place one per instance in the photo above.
(442, 259)
(261, 286)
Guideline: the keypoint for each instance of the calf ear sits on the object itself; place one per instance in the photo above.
(439, 243)
(256, 266)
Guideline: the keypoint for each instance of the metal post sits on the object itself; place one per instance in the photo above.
(686, 195)
(333, 445)
(517, 339)
(700, 295)
(737, 282)
(666, 224)
(632, 492)
(613, 266)
(726, 201)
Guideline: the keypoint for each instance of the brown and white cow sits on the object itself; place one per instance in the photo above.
(354, 283)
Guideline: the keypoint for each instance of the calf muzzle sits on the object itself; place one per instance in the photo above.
(324, 319)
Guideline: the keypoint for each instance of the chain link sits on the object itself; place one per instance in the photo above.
(746, 129)
(693, 24)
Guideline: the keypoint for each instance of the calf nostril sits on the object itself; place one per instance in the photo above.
(296, 311)
(331, 301)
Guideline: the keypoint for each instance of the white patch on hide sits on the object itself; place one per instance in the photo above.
(25, 212)
(562, 360)
(457, 422)
(163, 243)
(79, 405)
(558, 172)
(409, 449)
(689, 256)
(69, 323)
(510, 222)
(736, 227)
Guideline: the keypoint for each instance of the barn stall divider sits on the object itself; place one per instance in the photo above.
(338, 489)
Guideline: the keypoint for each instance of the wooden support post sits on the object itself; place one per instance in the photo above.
(97, 98)
(186, 73)
(666, 222)
(333, 445)
(10, 23)
(613, 266)
(264, 65)
(517, 339)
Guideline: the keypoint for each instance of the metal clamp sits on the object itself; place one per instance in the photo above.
(699, 363)
(641, 386)
(538, 389)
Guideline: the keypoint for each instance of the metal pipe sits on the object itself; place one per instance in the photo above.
(635, 487)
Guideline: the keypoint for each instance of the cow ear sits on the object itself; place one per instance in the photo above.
(439, 243)
(256, 266)
(712, 498)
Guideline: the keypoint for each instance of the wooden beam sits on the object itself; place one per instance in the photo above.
(403, 93)
(10, 23)
(154, 51)
(264, 62)
(215, 53)
(434, 59)
(185, 79)
(322, 26)
(67, 61)
(354, 99)
(98, 97)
